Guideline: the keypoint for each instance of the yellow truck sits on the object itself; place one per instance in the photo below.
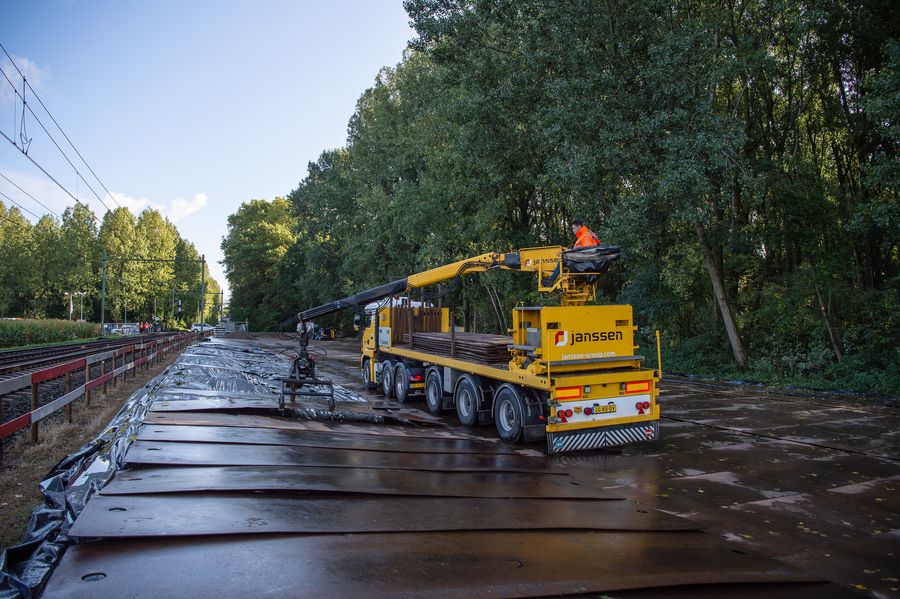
(566, 373)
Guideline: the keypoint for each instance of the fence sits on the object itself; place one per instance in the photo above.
(141, 355)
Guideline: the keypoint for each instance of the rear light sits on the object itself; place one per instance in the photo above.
(416, 378)
(569, 413)
(637, 387)
(568, 393)
(588, 411)
(646, 405)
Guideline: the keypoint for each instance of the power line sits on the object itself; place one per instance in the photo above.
(25, 192)
(47, 110)
(61, 151)
(51, 177)
(8, 219)
(19, 205)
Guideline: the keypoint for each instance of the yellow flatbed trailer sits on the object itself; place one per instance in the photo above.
(571, 377)
(567, 385)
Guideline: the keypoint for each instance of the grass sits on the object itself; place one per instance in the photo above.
(23, 332)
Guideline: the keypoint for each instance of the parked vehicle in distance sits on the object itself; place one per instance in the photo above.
(201, 327)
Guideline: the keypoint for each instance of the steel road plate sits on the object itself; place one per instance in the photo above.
(221, 403)
(216, 419)
(263, 436)
(195, 514)
(221, 454)
(447, 564)
(352, 480)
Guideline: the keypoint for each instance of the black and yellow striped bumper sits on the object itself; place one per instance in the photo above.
(593, 438)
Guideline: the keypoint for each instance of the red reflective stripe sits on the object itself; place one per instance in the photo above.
(56, 371)
(8, 428)
(94, 383)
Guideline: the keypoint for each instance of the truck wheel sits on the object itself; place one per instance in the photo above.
(401, 382)
(434, 393)
(387, 379)
(466, 400)
(509, 413)
(367, 374)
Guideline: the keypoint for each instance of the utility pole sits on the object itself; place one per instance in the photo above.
(103, 296)
(202, 286)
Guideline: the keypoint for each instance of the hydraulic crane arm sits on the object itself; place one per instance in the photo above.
(541, 259)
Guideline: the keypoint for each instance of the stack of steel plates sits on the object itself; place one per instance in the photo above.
(475, 347)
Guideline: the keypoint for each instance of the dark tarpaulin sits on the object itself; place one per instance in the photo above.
(592, 259)
(67, 487)
(25, 567)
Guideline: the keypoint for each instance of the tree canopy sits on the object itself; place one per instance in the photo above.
(744, 155)
(41, 263)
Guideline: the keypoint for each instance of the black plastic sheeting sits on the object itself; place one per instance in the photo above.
(25, 567)
(67, 487)
(595, 258)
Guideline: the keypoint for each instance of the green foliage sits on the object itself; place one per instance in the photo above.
(259, 235)
(18, 332)
(41, 264)
(751, 147)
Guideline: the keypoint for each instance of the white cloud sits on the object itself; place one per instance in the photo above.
(180, 208)
(37, 78)
(57, 200)
(136, 205)
(175, 210)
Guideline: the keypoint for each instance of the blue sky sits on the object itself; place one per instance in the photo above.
(191, 107)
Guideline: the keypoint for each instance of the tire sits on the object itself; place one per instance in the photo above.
(367, 374)
(401, 382)
(509, 413)
(466, 399)
(387, 379)
(434, 393)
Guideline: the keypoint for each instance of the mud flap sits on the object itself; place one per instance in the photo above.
(608, 436)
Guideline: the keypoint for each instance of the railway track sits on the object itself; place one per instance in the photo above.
(16, 399)
(14, 362)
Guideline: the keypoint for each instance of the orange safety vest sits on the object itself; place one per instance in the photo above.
(586, 238)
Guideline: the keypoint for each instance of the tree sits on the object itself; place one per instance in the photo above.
(259, 235)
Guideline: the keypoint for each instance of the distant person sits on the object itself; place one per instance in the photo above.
(584, 238)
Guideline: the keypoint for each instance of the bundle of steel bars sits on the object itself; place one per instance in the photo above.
(476, 347)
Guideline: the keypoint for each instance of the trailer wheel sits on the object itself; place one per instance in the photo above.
(367, 374)
(387, 379)
(434, 393)
(509, 411)
(466, 400)
(401, 382)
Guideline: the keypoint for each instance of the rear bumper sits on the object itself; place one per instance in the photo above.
(608, 436)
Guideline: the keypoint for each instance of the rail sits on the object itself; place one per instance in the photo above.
(141, 355)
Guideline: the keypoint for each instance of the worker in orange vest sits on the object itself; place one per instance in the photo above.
(584, 238)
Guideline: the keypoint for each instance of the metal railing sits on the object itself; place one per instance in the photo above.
(136, 356)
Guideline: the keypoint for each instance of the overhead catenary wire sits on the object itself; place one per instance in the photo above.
(8, 219)
(24, 149)
(21, 207)
(58, 126)
(13, 183)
